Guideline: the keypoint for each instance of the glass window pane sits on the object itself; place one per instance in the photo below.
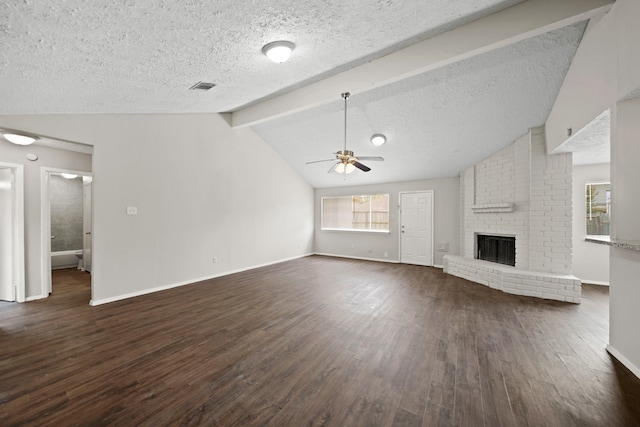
(598, 209)
(357, 212)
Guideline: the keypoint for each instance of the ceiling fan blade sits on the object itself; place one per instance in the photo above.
(361, 166)
(333, 167)
(319, 161)
(371, 158)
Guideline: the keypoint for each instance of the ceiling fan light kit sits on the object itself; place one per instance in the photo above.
(278, 51)
(347, 161)
(344, 168)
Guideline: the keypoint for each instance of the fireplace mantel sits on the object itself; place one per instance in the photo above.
(493, 207)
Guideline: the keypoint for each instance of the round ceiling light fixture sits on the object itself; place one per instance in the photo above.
(19, 139)
(66, 175)
(378, 139)
(278, 51)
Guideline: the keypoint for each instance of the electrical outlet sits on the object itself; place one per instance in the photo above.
(386, 254)
(132, 210)
(214, 259)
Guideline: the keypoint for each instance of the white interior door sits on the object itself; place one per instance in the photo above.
(416, 228)
(7, 288)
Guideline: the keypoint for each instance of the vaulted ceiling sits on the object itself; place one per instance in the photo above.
(448, 82)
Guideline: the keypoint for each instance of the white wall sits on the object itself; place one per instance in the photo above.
(374, 245)
(605, 69)
(590, 260)
(202, 190)
(624, 294)
(47, 157)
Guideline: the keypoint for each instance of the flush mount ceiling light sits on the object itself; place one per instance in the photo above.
(69, 175)
(19, 139)
(378, 139)
(278, 51)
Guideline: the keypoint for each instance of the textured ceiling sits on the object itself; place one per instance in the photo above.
(437, 123)
(592, 143)
(124, 56)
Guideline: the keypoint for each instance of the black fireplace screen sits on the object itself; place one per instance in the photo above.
(498, 249)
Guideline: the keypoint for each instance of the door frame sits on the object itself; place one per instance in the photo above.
(400, 223)
(18, 266)
(45, 225)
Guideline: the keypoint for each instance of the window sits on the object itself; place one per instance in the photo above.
(360, 213)
(598, 203)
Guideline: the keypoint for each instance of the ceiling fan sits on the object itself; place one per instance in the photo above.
(346, 161)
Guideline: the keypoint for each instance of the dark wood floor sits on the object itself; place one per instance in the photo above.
(315, 341)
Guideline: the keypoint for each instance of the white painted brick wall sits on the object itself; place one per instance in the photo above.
(503, 177)
(514, 281)
(551, 209)
(539, 187)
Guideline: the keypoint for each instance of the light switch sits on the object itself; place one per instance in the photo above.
(132, 210)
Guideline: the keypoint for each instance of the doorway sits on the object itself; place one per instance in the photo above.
(12, 232)
(66, 222)
(416, 228)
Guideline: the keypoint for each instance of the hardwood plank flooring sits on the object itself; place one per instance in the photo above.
(314, 341)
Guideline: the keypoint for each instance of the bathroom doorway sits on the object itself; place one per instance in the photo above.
(67, 223)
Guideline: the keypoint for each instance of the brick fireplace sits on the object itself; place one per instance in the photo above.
(522, 193)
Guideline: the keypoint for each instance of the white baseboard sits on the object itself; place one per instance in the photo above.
(626, 362)
(392, 261)
(186, 282)
(34, 298)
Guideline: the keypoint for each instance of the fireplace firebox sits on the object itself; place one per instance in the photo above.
(500, 249)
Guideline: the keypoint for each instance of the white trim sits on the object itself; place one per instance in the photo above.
(45, 236)
(45, 225)
(357, 230)
(350, 197)
(392, 261)
(18, 273)
(34, 298)
(439, 266)
(626, 362)
(19, 263)
(186, 282)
